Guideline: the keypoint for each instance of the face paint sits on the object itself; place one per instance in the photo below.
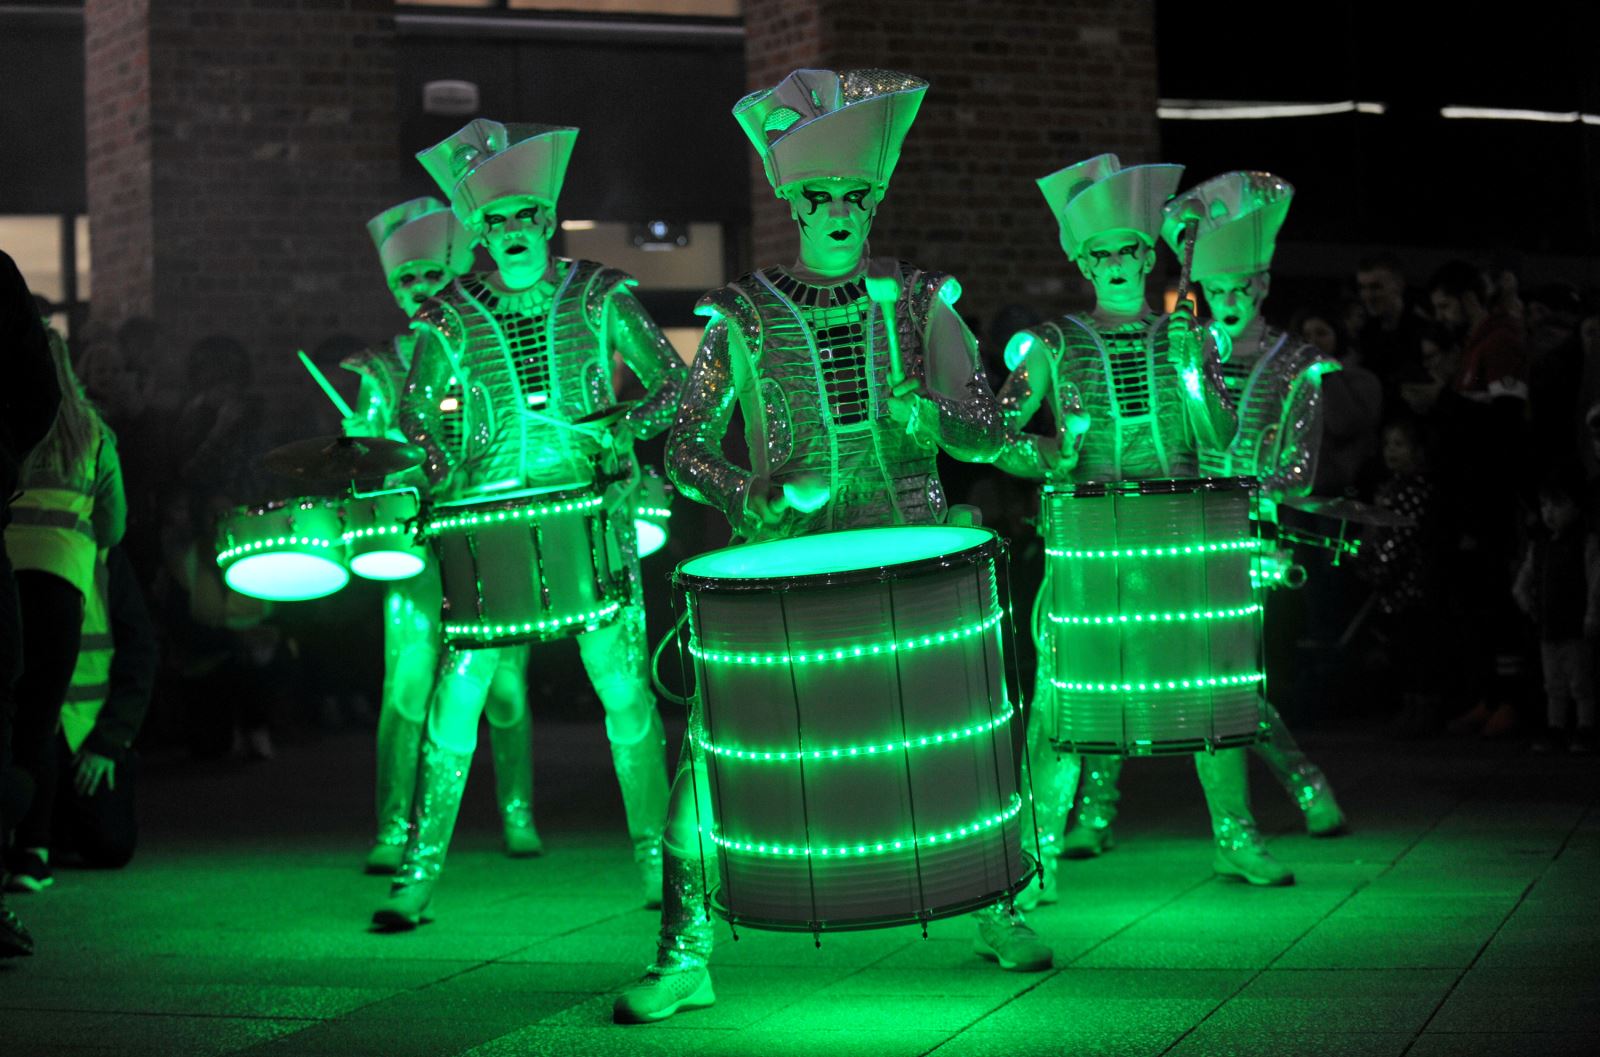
(1234, 301)
(414, 282)
(516, 231)
(1116, 262)
(834, 217)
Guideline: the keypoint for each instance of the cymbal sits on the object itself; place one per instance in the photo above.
(1350, 510)
(342, 458)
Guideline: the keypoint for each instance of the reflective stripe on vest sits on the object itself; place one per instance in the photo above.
(91, 677)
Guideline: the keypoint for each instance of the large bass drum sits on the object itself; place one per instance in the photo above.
(858, 735)
(1150, 621)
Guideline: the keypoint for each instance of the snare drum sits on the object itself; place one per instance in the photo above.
(1151, 619)
(536, 566)
(381, 535)
(652, 508)
(856, 727)
(289, 550)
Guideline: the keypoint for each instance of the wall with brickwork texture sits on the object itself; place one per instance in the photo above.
(1020, 88)
(235, 154)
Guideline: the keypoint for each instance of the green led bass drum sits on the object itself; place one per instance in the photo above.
(860, 743)
(542, 564)
(288, 550)
(1148, 620)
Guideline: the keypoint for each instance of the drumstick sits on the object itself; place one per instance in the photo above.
(327, 386)
(1191, 228)
(883, 286)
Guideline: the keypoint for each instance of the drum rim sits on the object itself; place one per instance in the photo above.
(1030, 873)
(1151, 486)
(989, 548)
(278, 506)
(557, 494)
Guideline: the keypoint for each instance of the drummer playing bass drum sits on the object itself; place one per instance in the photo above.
(850, 375)
(1134, 396)
(524, 352)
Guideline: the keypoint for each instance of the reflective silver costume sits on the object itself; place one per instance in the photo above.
(1273, 381)
(809, 369)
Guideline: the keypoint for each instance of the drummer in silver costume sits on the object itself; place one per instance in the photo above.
(840, 435)
(1276, 383)
(1134, 396)
(521, 353)
(422, 248)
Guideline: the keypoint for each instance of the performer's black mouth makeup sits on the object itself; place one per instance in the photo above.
(1230, 320)
(516, 248)
(839, 236)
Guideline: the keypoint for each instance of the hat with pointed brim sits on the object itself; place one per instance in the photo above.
(820, 124)
(423, 229)
(1240, 214)
(1099, 195)
(486, 161)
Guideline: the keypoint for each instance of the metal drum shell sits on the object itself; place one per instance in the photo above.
(527, 569)
(309, 526)
(384, 523)
(874, 790)
(1150, 588)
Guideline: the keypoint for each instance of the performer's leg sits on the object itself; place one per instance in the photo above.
(410, 663)
(1095, 808)
(452, 734)
(680, 977)
(1300, 778)
(511, 742)
(1240, 851)
(616, 660)
(1053, 779)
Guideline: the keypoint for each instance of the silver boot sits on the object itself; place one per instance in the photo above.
(1094, 808)
(1240, 851)
(399, 742)
(679, 978)
(1300, 778)
(440, 781)
(641, 767)
(512, 748)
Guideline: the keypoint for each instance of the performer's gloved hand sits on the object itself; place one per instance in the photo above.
(1185, 338)
(765, 505)
(914, 411)
(92, 770)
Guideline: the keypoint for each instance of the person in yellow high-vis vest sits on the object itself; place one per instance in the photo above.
(92, 815)
(70, 507)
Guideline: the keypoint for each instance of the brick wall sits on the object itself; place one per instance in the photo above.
(266, 136)
(117, 121)
(1019, 89)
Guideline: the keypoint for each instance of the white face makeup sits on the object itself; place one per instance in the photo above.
(834, 217)
(1116, 262)
(516, 231)
(415, 281)
(1234, 301)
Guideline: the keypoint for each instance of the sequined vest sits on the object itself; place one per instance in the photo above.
(1263, 389)
(521, 371)
(1137, 425)
(820, 358)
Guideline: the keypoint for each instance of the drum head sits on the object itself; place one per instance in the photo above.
(387, 565)
(286, 576)
(831, 555)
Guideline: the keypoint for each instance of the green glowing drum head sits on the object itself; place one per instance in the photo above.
(286, 576)
(652, 509)
(290, 550)
(380, 532)
(831, 553)
(387, 565)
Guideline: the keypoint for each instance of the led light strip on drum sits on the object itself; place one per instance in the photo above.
(1158, 552)
(376, 530)
(1175, 617)
(494, 517)
(848, 751)
(652, 511)
(883, 847)
(506, 631)
(844, 653)
(1206, 683)
(281, 541)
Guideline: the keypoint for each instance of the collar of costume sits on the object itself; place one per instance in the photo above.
(484, 161)
(813, 295)
(421, 229)
(1100, 195)
(1240, 214)
(817, 124)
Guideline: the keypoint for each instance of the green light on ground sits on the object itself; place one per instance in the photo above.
(286, 577)
(835, 552)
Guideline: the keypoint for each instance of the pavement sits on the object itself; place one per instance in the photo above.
(1460, 917)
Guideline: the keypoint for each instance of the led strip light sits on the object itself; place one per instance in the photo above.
(495, 517)
(867, 848)
(506, 631)
(281, 541)
(843, 653)
(1159, 685)
(1158, 552)
(857, 751)
(1175, 617)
